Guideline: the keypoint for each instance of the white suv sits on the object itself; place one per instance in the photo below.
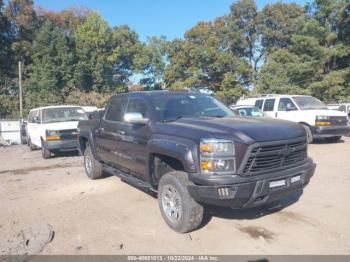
(317, 119)
(54, 128)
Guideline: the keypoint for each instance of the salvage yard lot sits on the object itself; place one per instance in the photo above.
(50, 206)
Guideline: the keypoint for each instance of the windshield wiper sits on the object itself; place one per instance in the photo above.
(172, 120)
(218, 116)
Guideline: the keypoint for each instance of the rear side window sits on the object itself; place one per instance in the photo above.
(259, 103)
(269, 104)
(115, 109)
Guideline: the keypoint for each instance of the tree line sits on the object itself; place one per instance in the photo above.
(74, 56)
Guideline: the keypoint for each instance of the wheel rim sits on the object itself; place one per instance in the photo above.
(88, 163)
(171, 202)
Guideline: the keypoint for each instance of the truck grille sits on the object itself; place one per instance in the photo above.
(273, 156)
(69, 134)
(338, 120)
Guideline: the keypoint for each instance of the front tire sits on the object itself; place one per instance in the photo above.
(45, 152)
(93, 168)
(179, 210)
(309, 136)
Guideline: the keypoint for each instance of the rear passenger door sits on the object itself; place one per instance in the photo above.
(269, 107)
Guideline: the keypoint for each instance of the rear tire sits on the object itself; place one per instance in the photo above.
(309, 136)
(93, 168)
(179, 210)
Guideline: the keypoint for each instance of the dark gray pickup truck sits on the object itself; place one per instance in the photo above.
(190, 149)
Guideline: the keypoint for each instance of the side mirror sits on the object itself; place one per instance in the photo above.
(36, 120)
(135, 118)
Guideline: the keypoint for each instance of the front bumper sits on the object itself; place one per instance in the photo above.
(253, 193)
(61, 145)
(330, 131)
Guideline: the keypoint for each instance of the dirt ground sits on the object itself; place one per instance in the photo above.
(51, 207)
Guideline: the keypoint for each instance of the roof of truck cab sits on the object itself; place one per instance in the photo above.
(59, 106)
(157, 92)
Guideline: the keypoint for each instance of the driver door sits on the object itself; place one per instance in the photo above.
(133, 142)
(286, 109)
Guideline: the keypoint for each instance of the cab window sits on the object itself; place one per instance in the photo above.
(137, 106)
(286, 104)
(115, 109)
(259, 103)
(269, 104)
(342, 109)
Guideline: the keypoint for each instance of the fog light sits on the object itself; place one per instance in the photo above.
(217, 165)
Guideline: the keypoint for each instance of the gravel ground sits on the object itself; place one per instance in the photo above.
(51, 207)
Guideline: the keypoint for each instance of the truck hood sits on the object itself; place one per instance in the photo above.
(324, 112)
(246, 129)
(61, 125)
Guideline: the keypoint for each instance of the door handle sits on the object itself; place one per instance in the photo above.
(101, 129)
(121, 132)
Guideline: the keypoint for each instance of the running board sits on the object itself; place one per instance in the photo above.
(130, 179)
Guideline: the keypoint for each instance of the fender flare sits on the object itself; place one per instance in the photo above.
(91, 140)
(183, 152)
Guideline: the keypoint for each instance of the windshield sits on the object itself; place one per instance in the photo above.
(170, 107)
(63, 114)
(309, 103)
(249, 111)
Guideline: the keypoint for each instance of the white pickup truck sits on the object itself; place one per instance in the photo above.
(54, 128)
(316, 118)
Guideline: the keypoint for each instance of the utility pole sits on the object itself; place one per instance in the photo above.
(20, 89)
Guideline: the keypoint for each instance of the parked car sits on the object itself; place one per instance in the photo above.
(54, 129)
(247, 111)
(311, 113)
(191, 149)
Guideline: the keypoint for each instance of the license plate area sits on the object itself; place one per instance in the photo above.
(278, 183)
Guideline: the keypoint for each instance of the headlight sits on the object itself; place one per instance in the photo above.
(322, 117)
(322, 121)
(217, 156)
(212, 147)
(52, 135)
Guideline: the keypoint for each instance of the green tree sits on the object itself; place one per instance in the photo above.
(23, 22)
(150, 62)
(92, 39)
(125, 47)
(240, 31)
(52, 69)
(200, 62)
